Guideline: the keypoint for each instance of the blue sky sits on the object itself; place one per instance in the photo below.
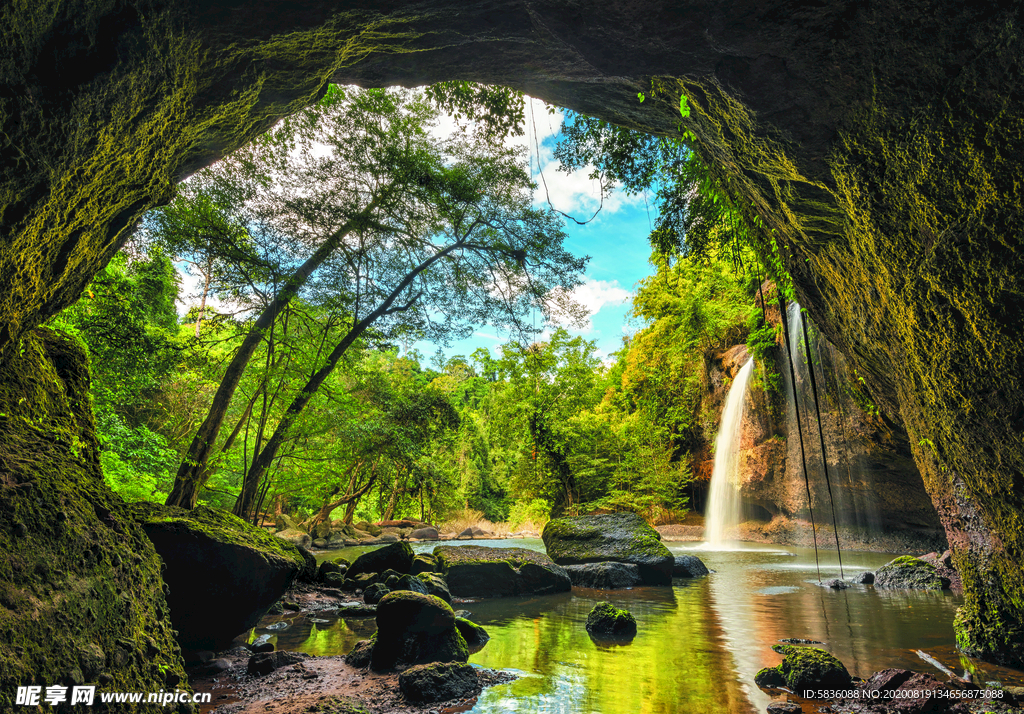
(616, 241)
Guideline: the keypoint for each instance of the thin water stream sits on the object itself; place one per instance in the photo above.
(699, 643)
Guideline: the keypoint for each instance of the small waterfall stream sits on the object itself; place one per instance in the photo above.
(723, 509)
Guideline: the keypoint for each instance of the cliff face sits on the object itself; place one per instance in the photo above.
(879, 143)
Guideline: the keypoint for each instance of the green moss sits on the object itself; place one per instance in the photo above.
(80, 587)
(606, 619)
(811, 668)
(448, 555)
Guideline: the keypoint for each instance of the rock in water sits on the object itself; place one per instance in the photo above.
(619, 537)
(480, 571)
(436, 586)
(835, 584)
(397, 557)
(908, 572)
(865, 578)
(606, 619)
(805, 668)
(413, 628)
(423, 563)
(688, 566)
(604, 576)
(428, 533)
(438, 682)
(471, 632)
(222, 573)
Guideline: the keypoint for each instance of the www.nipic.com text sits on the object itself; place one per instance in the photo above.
(35, 696)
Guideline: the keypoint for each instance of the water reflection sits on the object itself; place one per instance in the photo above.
(698, 644)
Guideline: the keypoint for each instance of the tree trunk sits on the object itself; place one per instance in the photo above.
(192, 474)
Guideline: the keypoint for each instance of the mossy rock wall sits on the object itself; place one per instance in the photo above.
(879, 145)
(81, 597)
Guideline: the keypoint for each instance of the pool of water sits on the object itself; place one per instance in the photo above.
(699, 643)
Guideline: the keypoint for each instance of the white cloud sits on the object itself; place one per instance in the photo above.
(592, 296)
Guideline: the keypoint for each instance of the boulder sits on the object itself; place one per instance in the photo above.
(834, 584)
(473, 633)
(321, 530)
(414, 584)
(479, 571)
(619, 537)
(266, 662)
(428, 533)
(329, 567)
(604, 576)
(688, 566)
(865, 578)
(436, 586)
(474, 532)
(770, 678)
(438, 682)
(295, 537)
(359, 657)
(397, 557)
(607, 620)
(908, 572)
(374, 592)
(222, 573)
(388, 538)
(333, 579)
(423, 563)
(413, 628)
(368, 528)
(284, 522)
(806, 668)
(320, 543)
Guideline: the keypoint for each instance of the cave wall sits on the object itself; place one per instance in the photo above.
(878, 143)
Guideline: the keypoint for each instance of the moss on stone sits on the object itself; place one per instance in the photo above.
(78, 576)
(811, 668)
(607, 620)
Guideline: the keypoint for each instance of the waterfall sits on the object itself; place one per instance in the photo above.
(855, 506)
(723, 509)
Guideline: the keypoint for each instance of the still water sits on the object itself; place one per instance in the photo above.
(699, 643)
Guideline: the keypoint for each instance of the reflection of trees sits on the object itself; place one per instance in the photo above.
(675, 664)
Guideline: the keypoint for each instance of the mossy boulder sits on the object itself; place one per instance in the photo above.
(374, 592)
(604, 576)
(396, 556)
(688, 566)
(438, 682)
(223, 574)
(480, 571)
(908, 572)
(423, 563)
(368, 528)
(413, 628)
(473, 633)
(606, 620)
(81, 595)
(619, 537)
(412, 583)
(436, 586)
(805, 668)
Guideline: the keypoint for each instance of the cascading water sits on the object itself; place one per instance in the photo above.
(723, 509)
(853, 499)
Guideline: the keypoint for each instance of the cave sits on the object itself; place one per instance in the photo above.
(878, 144)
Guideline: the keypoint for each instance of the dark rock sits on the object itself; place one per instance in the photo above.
(392, 582)
(423, 563)
(334, 580)
(688, 566)
(886, 680)
(413, 628)
(473, 633)
(413, 583)
(784, 708)
(908, 572)
(799, 641)
(262, 647)
(397, 557)
(243, 571)
(438, 682)
(329, 567)
(480, 571)
(308, 570)
(374, 592)
(604, 576)
(810, 668)
(436, 586)
(428, 533)
(865, 578)
(292, 606)
(607, 620)
(359, 657)
(276, 609)
(265, 663)
(620, 537)
(216, 666)
(835, 584)
(770, 678)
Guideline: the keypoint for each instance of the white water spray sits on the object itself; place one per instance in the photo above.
(723, 509)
